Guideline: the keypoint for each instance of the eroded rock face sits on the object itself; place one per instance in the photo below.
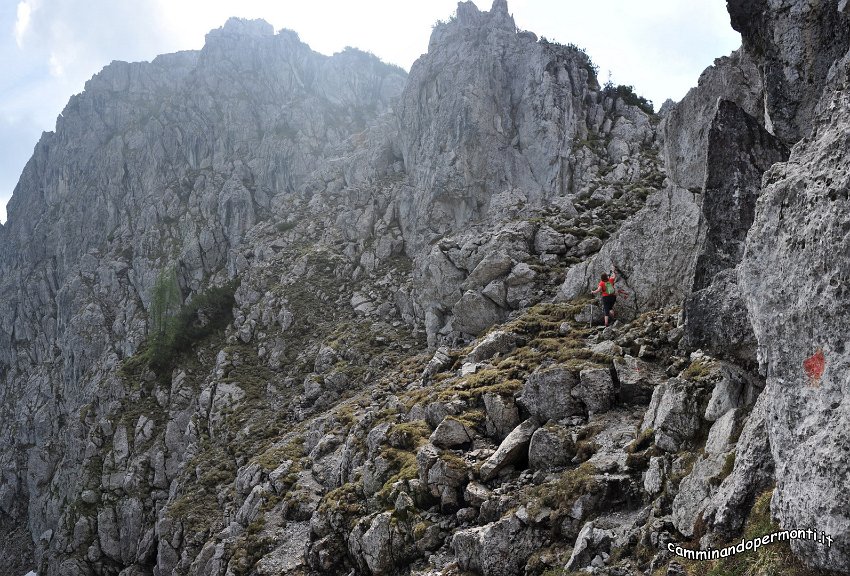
(685, 126)
(387, 224)
(792, 276)
(795, 44)
(739, 150)
(157, 170)
(497, 549)
(459, 151)
(654, 254)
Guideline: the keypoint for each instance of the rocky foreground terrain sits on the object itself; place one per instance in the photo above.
(265, 312)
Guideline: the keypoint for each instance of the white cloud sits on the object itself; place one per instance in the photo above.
(56, 68)
(22, 22)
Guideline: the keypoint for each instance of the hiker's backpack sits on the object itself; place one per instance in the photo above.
(609, 288)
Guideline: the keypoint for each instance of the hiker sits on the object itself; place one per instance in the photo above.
(609, 294)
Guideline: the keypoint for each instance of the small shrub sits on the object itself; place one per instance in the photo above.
(175, 330)
(642, 442)
(286, 226)
(628, 95)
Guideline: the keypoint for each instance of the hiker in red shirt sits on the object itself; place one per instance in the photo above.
(609, 294)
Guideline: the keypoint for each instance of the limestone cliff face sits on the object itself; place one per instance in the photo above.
(795, 44)
(268, 312)
(477, 123)
(794, 278)
(156, 166)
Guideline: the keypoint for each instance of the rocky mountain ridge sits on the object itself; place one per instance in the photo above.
(270, 312)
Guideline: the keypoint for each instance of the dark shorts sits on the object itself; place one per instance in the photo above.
(608, 303)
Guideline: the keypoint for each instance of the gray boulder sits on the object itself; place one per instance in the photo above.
(546, 394)
(637, 380)
(450, 433)
(498, 549)
(695, 492)
(675, 413)
(474, 313)
(502, 415)
(548, 241)
(513, 448)
(496, 342)
(595, 390)
(551, 447)
(588, 544)
(442, 476)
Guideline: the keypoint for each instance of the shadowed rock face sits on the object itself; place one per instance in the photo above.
(795, 43)
(739, 151)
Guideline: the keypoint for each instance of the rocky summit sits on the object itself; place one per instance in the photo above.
(265, 312)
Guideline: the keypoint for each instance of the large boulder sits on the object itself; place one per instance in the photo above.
(595, 390)
(695, 493)
(547, 394)
(496, 342)
(551, 447)
(588, 544)
(442, 475)
(498, 549)
(474, 313)
(654, 253)
(502, 415)
(675, 413)
(451, 432)
(513, 449)
(636, 380)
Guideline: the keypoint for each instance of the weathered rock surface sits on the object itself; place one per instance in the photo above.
(675, 413)
(796, 43)
(652, 272)
(514, 448)
(547, 394)
(792, 276)
(739, 151)
(497, 549)
(551, 447)
(310, 228)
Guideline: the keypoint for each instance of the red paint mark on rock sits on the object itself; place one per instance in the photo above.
(814, 365)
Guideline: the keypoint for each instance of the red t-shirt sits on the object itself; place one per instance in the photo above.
(602, 283)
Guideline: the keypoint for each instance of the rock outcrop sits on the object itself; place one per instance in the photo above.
(268, 312)
(793, 275)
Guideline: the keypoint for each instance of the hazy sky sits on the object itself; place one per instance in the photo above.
(49, 48)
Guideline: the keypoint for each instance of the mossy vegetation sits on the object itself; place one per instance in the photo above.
(642, 442)
(175, 328)
(773, 559)
(207, 478)
(562, 492)
(699, 369)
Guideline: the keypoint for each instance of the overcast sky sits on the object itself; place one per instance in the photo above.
(49, 48)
